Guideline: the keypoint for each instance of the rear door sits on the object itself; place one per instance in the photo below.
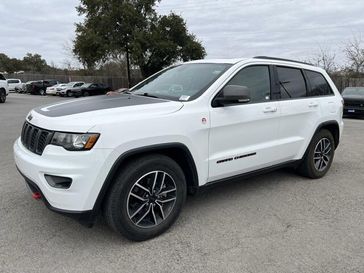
(243, 136)
(299, 112)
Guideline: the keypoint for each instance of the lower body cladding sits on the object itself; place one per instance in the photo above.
(70, 187)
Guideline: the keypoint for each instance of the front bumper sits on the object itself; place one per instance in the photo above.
(353, 111)
(86, 169)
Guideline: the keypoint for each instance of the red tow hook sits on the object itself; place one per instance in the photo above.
(36, 195)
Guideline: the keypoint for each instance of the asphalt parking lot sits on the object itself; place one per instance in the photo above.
(278, 222)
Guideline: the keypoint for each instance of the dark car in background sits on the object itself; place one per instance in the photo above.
(90, 89)
(353, 101)
(39, 87)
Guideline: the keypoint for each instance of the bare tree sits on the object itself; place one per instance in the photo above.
(354, 52)
(326, 59)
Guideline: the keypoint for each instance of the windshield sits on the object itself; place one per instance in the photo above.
(182, 82)
(354, 91)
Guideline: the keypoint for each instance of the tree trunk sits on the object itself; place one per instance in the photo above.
(128, 67)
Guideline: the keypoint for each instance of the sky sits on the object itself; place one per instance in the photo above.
(227, 28)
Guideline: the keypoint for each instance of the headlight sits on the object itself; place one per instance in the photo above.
(75, 142)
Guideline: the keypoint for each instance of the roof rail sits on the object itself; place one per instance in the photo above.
(279, 59)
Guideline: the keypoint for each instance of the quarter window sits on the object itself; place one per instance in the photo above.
(292, 83)
(319, 85)
(257, 79)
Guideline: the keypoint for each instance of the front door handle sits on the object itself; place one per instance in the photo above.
(270, 109)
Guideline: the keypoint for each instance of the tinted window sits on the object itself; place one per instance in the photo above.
(319, 85)
(2, 78)
(292, 82)
(257, 79)
(13, 81)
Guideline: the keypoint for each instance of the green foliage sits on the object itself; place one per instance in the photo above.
(31, 62)
(164, 42)
(132, 28)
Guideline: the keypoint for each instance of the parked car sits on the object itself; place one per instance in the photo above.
(90, 89)
(67, 90)
(354, 101)
(52, 90)
(4, 88)
(15, 85)
(39, 87)
(134, 156)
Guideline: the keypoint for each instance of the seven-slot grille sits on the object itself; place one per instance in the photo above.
(34, 138)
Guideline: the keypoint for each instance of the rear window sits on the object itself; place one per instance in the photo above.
(292, 83)
(13, 81)
(319, 85)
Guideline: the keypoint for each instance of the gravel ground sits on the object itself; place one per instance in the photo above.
(278, 222)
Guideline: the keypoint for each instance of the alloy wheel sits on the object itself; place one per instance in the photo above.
(151, 199)
(322, 154)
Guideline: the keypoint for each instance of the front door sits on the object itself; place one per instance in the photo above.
(243, 136)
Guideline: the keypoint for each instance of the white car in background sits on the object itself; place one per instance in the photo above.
(67, 90)
(52, 90)
(14, 84)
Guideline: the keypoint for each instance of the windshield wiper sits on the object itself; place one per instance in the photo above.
(147, 95)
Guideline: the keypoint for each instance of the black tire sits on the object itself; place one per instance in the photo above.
(86, 94)
(313, 159)
(117, 202)
(2, 96)
(68, 94)
(42, 92)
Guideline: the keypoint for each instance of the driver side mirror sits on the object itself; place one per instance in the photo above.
(233, 94)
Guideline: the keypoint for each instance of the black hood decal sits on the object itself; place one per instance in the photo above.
(93, 104)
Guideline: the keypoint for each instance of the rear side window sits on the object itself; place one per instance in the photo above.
(257, 79)
(2, 78)
(319, 85)
(292, 83)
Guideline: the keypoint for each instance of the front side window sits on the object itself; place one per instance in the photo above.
(319, 85)
(292, 83)
(257, 80)
(2, 78)
(182, 82)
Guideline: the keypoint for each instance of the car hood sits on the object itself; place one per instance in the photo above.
(81, 115)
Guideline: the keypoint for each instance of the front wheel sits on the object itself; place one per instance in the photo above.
(319, 155)
(146, 198)
(2, 96)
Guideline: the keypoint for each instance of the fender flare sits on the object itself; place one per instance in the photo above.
(139, 151)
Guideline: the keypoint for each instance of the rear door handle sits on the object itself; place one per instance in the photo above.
(313, 104)
(270, 109)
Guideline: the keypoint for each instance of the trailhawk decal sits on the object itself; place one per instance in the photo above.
(235, 158)
(93, 104)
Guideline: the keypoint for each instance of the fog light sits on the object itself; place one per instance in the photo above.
(58, 182)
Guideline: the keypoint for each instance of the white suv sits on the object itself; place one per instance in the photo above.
(4, 89)
(135, 155)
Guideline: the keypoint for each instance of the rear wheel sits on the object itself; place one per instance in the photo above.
(42, 92)
(319, 156)
(146, 198)
(2, 96)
